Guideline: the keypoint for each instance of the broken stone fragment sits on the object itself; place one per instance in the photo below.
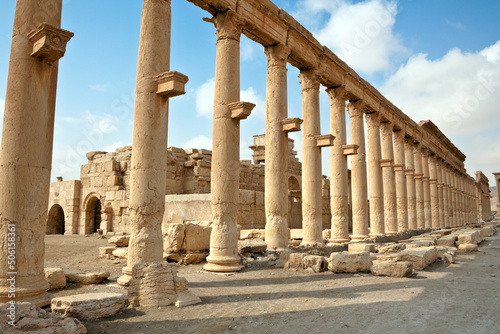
(350, 262)
(82, 277)
(56, 278)
(420, 257)
(89, 305)
(392, 269)
(252, 246)
(120, 240)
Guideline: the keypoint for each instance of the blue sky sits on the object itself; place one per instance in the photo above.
(437, 60)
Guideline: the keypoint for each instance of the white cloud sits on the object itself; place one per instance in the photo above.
(250, 95)
(199, 142)
(105, 123)
(360, 33)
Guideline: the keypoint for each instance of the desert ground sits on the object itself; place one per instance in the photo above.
(463, 297)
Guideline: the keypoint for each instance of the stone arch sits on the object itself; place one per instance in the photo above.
(294, 203)
(55, 220)
(92, 212)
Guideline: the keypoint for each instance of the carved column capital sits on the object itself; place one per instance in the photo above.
(356, 108)
(373, 119)
(277, 55)
(399, 136)
(386, 129)
(309, 79)
(228, 24)
(337, 94)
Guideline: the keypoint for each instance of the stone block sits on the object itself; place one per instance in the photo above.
(56, 278)
(392, 269)
(82, 277)
(394, 248)
(105, 251)
(350, 262)
(470, 237)
(196, 237)
(468, 247)
(89, 306)
(296, 233)
(253, 234)
(252, 246)
(120, 253)
(173, 238)
(446, 254)
(194, 258)
(315, 262)
(448, 240)
(386, 257)
(361, 247)
(295, 261)
(327, 235)
(420, 257)
(487, 231)
(120, 240)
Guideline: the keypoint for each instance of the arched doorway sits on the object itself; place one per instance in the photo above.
(93, 215)
(294, 203)
(55, 220)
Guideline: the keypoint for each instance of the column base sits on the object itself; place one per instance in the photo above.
(223, 264)
(125, 279)
(36, 292)
(358, 237)
(338, 241)
(311, 243)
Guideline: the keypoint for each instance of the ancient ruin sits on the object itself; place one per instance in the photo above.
(408, 179)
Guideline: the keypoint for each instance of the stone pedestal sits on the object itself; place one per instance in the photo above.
(376, 190)
(433, 191)
(390, 207)
(26, 148)
(312, 219)
(410, 184)
(226, 148)
(358, 173)
(339, 192)
(148, 175)
(276, 194)
(427, 189)
(399, 170)
(419, 187)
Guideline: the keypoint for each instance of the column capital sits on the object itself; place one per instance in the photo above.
(337, 94)
(309, 79)
(228, 24)
(277, 55)
(373, 119)
(399, 136)
(356, 108)
(425, 152)
(386, 129)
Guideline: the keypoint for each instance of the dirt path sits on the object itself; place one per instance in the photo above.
(457, 298)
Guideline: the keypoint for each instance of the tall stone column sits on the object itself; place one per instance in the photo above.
(446, 188)
(410, 184)
(225, 148)
(390, 206)
(358, 173)
(312, 219)
(376, 190)
(434, 191)
(439, 179)
(453, 201)
(339, 187)
(427, 189)
(149, 142)
(26, 151)
(276, 176)
(497, 182)
(401, 191)
(419, 187)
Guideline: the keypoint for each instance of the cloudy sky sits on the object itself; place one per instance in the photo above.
(437, 60)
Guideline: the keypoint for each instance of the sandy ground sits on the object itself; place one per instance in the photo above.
(445, 298)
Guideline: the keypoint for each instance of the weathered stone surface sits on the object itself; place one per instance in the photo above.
(28, 318)
(350, 262)
(120, 253)
(56, 278)
(252, 246)
(441, 232)
(253, 234)
(421, 257)
(79, 276)
(470, 237)
(119, 240)
(448, 240)
(327, 235)
(194, 258)
(392, 269)
(487, 231)
(315, 262)
(296, 260)
(196, 237)
(296, 233)
(104, 252)
(173, 238)
(361, 247)
(394, 248)
(446, 254)
(468, 247)
(89, 306)
(385, 257)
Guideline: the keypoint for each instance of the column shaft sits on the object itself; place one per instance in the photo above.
(358, 173)
(446, 188)
(390, 206)
(276, 168)
(339, 192)
(419, 187)
(312, 219)
(401, 190)
(376, 190)
(434, 191)
(440, 193)
(26, 155)
(427, 189)
(410, 184)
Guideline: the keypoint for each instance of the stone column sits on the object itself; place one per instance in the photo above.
(26, 147)
(339, 187)
(434, 191)
(439, 179)
(427, 189)
(358, 173)
(312, 219)
(410, 184)
(276, 167)
(149, 142)
(419, 187)
(390, 207)
(376, 190)
(225, 176)
(401, 191)
(446, 188)
(453, 201)
(497, 182)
